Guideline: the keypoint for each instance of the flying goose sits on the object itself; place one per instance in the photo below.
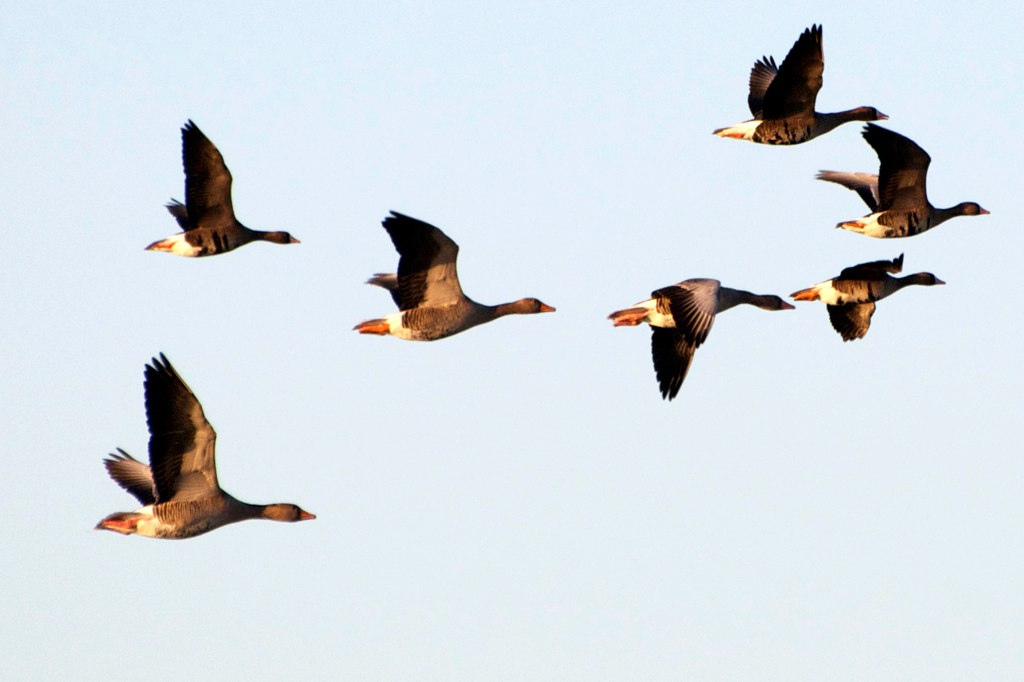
(850, 297)
(782, 98)
(207, 217)
(896, 196)
(426, 289)
(178, 491)
(680, 317)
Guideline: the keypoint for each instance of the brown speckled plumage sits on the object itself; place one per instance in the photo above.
(179, 491)
(426, 289)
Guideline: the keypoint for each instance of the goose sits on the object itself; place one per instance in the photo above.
(207, 217)
(782, 98)
(178, 490)
(426, 289)
(896, 196)
(850, 297)
(680, 317)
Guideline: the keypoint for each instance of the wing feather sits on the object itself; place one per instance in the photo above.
(427, 275)
(851, 320)
(207, 180)
(902, 172)
(132, 475)
(795, 87)
(672, 353)
(181, 440)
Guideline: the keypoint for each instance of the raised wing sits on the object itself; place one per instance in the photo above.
(903, 169)
(132, 475)
(207, 180)
(864, 184)
(795, 87)
(427, 276)
(181, 441)
(761, 76)
(180, 213)
(387, 281)
(873, 270)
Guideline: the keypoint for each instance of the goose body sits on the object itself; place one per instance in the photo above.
(680, 317)
(178, 490)
(207, 217)
(782, 98)
(850, 297)
(426, 289)
(897, 196)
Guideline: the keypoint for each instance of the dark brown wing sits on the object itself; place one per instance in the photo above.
(181, 441)
(761, 76)
(851, 320)
(426, 268)
(693, 304)
(873, 270)
(180, 213)
(672, 353)
(132, 475)
(207, 180)
(795, 87)
(903, 168)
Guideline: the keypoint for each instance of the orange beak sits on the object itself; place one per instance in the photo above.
(306, 516)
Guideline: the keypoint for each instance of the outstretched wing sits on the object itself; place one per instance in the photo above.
(761, 76)
(180, 213)
(387, 281)
(181, 441)
(426, 268)
(902, 171)
(864, 184)
(693, 304)
(207, 180)
(795, 87)
(132, 475)
(851, 320)
(672, 353)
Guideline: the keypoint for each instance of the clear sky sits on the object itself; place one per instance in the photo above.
(516, 502)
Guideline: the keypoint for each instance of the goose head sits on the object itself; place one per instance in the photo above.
(286, 512)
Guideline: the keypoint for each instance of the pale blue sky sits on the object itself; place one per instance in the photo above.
(516, 502)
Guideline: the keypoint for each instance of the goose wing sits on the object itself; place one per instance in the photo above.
(864, 184)
(903, 168)
(672, 354)
(180, 213)
(427, 276)
(851, 320)
(761, 76)
(795, 87)
(693, 304)
(872, 271)
(132, 475)
(181, 441)
(207, 180)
